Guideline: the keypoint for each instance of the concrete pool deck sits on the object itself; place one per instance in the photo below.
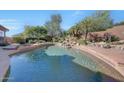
(4, 63)
(110, 56)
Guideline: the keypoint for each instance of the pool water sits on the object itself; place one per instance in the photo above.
(53, 64)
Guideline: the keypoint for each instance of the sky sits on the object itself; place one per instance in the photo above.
(15, 20)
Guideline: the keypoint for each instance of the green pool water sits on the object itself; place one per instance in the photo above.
(54, 64)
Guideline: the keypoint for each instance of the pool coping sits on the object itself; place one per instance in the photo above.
(99, 56)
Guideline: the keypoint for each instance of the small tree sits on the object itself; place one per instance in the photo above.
(87, 26)
(102, 20)
(40, 32)
(54, 25)
(34, 32)
(75, 31)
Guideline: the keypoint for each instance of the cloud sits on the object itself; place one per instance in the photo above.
(13, 27)
(7, 20)
(11, 24)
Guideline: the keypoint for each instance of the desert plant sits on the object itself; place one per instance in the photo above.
(114, 38)
(81, 41)
(107, 37)
(95, 37)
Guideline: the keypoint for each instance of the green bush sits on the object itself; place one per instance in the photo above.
(114, 38)
(18, 39)
(48, 38)
(81, 41)
(56, 39)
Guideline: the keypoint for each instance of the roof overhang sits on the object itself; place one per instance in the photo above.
(2, 28)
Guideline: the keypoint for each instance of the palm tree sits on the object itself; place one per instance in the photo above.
(87, 26)
(75, 31)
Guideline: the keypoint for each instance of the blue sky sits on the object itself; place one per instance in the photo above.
(15, 20)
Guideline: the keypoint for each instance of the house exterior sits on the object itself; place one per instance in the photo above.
(3, 31)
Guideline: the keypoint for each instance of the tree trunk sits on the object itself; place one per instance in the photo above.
(85, 39)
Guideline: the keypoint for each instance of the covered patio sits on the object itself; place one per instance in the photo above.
(3, 31)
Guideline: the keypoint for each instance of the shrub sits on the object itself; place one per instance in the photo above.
(118, 24)
(95, 38)
(114, 38)
(48, 38)
(56, 39)
(81, 41)
(33, 41)
(18, 39)
(30, 41)
(107, 37)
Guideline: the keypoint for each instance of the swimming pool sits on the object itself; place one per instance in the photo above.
(54, 64)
